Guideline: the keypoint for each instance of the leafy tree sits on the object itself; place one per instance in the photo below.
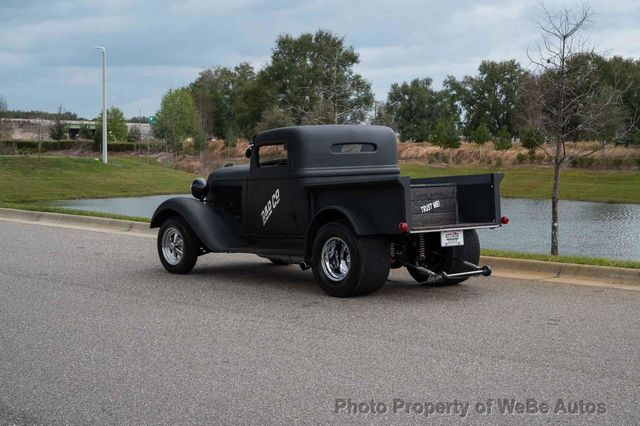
(230, 140)
(531, 139)
(221, 93)
(66, 115)
(273, 118)
(446, 134)
(634, 137)
(415, 108)
(134, 134)
(625, 75)
(85, 132)
(255, 97)
(116, 126)
(503, 139)
(491, 97)
(178, 120)
(481, 134)
(58, 130)
(381, 116)
(139, 119)
(314, 81)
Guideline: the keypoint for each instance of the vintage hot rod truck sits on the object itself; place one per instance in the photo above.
(331, 198)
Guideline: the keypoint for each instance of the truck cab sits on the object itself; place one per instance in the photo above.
(331, 198)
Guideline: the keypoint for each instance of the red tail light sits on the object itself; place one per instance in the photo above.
(504, 220)
(403, 227)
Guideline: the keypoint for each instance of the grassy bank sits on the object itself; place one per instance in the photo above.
(580, 260)
(29, 180)
(611, 186)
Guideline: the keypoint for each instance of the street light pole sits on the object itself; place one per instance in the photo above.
(104, 103)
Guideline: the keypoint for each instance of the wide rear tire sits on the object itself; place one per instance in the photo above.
(347, 265)
(469, 252)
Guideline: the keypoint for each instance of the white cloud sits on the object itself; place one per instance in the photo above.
(46, 46)
(28, 36)
(212, 7)
(12, 59)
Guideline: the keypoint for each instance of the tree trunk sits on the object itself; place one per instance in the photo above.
(555, 197)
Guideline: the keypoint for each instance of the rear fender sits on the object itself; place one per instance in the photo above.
(216, 231)
(360, 222)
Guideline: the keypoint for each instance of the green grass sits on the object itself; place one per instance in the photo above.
(580, 260)
(45, 208)
(28, 180)
(611, 186)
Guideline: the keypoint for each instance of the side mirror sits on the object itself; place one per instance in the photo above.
(248, 152)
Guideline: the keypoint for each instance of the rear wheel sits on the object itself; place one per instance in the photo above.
(444, 258)
(346, 265)
(178, 246)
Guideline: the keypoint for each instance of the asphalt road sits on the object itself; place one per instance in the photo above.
(93, 331)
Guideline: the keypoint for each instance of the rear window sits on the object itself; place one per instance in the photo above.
(352, 148)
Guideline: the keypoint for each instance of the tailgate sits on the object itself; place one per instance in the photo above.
(433, 205)
(455, 202)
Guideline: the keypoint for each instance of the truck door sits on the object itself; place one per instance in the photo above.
(269, 211)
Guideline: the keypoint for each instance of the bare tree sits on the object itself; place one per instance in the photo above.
(564, 99)
(3, 111)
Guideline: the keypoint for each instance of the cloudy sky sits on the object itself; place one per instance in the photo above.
(47, 55)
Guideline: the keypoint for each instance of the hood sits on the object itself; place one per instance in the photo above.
(232, 172)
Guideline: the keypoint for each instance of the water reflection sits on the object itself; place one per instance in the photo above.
(586, 229)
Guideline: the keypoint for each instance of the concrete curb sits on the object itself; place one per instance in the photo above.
(77, 220)
(506, 267)
(562, 272)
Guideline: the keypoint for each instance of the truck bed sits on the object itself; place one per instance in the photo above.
(455, 202)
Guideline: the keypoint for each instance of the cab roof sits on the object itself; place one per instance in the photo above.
(341, 145)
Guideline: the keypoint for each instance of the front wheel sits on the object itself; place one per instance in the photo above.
(178, 246)
(444, 258)
(346, 265)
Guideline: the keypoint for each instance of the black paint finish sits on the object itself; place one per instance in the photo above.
(345, 173)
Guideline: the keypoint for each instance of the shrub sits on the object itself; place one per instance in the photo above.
(481, 134)
(116, 146)
(503, 140)
(17, 146)
(521, 157)
(531, 139)
(582, 162)
(446, 135)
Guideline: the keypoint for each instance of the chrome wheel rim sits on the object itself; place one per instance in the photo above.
(172, 246)
(336, 259)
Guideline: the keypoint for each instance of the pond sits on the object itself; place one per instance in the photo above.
(586, 229)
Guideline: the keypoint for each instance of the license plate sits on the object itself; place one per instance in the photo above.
(451, 238)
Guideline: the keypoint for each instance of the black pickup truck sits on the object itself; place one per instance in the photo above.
(331, 198)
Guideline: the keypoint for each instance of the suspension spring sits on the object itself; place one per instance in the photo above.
(392, 251)
(421, 248)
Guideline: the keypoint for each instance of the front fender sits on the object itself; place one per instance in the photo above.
(216, 230)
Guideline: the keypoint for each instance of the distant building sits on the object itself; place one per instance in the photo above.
(38, 129)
